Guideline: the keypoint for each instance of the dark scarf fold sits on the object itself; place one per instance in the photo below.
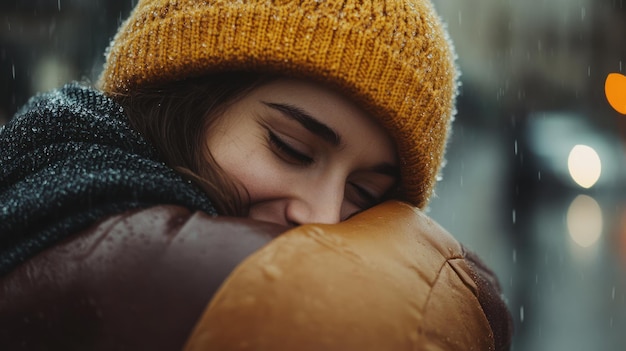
(69, 158)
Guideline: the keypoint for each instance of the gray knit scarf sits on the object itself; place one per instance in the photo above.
(69, 158)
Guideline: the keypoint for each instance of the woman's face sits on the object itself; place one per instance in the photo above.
(304, 153)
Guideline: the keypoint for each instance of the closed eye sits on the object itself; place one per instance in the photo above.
(288, 152)
(360, 196)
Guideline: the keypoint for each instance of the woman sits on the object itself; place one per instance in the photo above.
(285, 112)
(284, 139)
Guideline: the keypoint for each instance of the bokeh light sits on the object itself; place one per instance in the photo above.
(615, 90)
(584, 165)
(584, 220)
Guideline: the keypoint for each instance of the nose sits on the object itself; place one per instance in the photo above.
(315, 205)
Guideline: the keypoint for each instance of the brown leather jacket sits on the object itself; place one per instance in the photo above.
(387, 279)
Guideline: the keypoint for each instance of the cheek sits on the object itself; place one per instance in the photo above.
(249, 163)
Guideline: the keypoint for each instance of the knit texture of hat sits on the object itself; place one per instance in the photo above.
(391, 56)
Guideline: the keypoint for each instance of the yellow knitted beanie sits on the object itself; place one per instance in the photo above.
(391, 56)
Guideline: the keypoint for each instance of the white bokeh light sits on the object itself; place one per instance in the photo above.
(584, 220)
(584, 165)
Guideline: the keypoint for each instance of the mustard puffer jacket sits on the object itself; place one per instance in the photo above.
(387, 279)
(166, 278)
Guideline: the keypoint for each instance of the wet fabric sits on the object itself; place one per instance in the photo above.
(388, 278)
(69, 158)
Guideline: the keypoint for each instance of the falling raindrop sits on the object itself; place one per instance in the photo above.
(583, 13)
(521, 314)
(13, 70)
(513, 215)
(59, 5)
(514, 256)
(613, 294)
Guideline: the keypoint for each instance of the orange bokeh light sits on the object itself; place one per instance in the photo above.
(615, 90)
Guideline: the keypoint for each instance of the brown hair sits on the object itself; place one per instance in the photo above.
(175, 118)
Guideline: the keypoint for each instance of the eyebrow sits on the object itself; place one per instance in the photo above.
(307, 121)
(326, 133)
(387, 169)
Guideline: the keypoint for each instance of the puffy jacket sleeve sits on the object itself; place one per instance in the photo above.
(163, 278)
(135, 281)
(387, 279)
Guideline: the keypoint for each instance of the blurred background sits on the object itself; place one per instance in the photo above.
(536, 176)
